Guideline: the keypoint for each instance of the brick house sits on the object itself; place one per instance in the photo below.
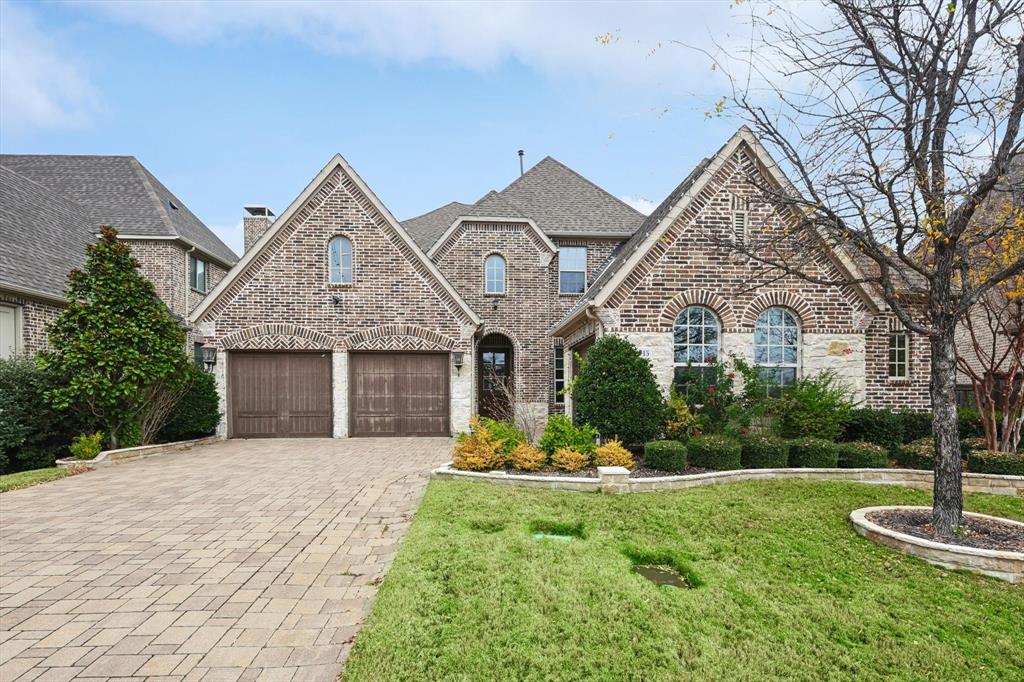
(340, 320)
(51, 208)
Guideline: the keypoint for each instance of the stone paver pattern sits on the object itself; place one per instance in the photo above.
(241, 560)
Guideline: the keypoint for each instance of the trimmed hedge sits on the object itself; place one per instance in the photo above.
(916, 425)
(991, 462)
(917, 455)
(665, 455)
(715, 452)
(862, 455)
(813, 453)
(881, 427)
(197, 413)
(764, 452)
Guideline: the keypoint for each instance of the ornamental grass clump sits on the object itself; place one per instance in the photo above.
(478, 450)
(813, 453)
(613, 454)
(714, 452)
(567, 459)
(862, 455)
(526, 457)
(665, 455)
(764, 452)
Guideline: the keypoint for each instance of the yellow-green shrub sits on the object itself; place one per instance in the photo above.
(478, 450)
(613, 454)
(528, 458)
(568, 459)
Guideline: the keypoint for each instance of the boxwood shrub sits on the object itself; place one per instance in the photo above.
(665, 455)
(764, 452)
(916, 425)
(714, 452)
(990, 462)
(862, 455)
(881, 427)
(919, 454)
(813, 453)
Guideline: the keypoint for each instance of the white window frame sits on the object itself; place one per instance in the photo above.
(798, 344)
(499, 289)
(562, 268)
(683, 321)
(194, 269)
(894, 361)
(558, 374)
(19, 341)
(345, 275)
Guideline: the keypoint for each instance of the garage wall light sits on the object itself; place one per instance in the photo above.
(457, 359)
(209, 357)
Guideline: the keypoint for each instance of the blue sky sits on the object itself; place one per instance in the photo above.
(234, 103)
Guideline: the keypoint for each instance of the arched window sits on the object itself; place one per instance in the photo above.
(695, 344)
(340, 252)
(777, 348)
(495, 274)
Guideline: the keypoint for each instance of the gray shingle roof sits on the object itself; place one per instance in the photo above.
(558, 199)
(119, 191)
(43, 234)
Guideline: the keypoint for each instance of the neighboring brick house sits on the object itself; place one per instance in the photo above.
(51, 208)
(339, 320)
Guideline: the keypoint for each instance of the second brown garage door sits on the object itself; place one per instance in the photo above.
(398, 394)
(280, 395)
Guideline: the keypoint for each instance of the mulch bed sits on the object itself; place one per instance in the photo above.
(640, 471)
(975, 533)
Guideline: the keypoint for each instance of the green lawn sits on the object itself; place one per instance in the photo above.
(789, 591)
(24, 479)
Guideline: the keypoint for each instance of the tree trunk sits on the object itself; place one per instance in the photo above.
(113, 437)
(948, 505)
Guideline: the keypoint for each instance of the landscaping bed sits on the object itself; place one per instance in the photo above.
(640, 470)
(786, 590)
(975, 532)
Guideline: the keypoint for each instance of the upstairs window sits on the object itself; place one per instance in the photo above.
(495, 274)
(341, 260)
(777, 348)
(197, 273)
(898, 366)
(572, 269)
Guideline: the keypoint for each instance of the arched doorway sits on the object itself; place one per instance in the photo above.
(495, 383)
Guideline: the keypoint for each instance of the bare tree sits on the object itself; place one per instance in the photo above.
(894, 119)
(504, 408)
(162, 397)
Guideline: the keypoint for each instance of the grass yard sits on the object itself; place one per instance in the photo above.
(789, 591)
(24, 479)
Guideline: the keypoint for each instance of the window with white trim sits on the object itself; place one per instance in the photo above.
(777, 348)
(494, 270)
(340, 252)
(197, 273)
(559, 372)
(696, 335)
(572, 269)
(898, 356)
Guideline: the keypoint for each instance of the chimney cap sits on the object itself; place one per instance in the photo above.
(258, 210)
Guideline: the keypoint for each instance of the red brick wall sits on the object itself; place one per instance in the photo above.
(35, 315)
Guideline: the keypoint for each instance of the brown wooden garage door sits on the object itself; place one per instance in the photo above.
(398, 394)
(280, 395)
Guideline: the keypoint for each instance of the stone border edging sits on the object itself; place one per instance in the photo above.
(124, 455)
(617, 480)
(1000, 564)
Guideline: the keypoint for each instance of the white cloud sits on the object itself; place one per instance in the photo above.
(40, 86)
(645, 206)
(556, 38)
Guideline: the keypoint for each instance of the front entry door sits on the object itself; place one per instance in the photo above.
(495, 382)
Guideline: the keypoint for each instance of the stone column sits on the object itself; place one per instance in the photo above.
(339, 389)
(220, 375)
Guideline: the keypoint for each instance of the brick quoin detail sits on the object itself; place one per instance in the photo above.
(701, 297)
(279, 336)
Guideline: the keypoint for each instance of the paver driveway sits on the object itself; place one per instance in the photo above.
(239, 560)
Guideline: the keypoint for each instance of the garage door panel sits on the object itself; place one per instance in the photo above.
(399, 394)
(280, 395)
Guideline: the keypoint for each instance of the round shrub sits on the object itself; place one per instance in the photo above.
(881, 427)
(813, 453)
(525, 457)
(197, 412)
(568, 459)
(616, 393)
(560, 433)
(862, 455)
(919, 454)
(992, 462)
(714, 452)
(87, 446)
(764, 452)
(613, 454)
(665, 455)
(477, 450)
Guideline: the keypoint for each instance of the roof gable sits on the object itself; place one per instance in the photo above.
(336, 172)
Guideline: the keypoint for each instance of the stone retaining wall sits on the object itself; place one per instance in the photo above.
(124, 455)
(616, 479)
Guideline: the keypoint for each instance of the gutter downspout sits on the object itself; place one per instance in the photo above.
(188, 286)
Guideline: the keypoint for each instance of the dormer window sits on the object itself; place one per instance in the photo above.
(197, 274)
(494, 274)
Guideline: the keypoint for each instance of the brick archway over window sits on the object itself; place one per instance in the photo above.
(701, 297)
(279, 336)
(785, 299)
(398, 337)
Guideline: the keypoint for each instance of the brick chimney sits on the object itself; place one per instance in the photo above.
(256, 223)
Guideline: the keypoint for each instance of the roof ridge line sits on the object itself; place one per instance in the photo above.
(151, 191)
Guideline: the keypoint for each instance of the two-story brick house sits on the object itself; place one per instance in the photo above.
(51, 208)
(340, 320)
